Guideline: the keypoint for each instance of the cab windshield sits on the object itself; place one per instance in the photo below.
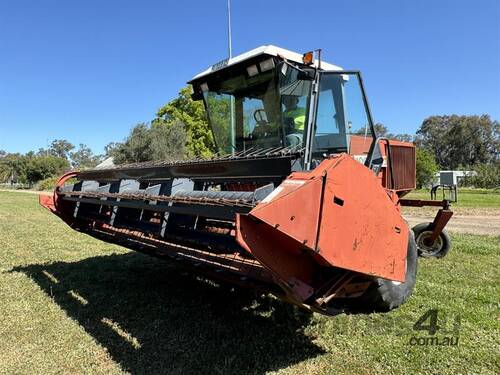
(263, 106)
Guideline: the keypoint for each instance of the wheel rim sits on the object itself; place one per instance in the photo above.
(426, 248)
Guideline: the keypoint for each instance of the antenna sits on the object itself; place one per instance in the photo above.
(230, 48)
(229, 42)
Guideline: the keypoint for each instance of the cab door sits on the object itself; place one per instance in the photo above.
(343, 122)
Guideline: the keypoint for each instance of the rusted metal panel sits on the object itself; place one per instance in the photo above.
(423, 202)
(403, 167)
(403, 161)
(298, 214)
(356, 226)
(361, 228)
(47, 201)
(279, 253)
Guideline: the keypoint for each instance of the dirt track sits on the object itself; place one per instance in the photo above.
(472, 224)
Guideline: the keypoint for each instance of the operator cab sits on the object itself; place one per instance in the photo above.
(268, 98)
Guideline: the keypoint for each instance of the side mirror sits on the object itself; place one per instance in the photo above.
(377, 159)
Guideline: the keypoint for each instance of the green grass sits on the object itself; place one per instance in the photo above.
(69, 303)
(470, 198)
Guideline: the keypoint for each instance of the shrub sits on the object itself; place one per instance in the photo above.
(426, 168)
(47, 184)
(486, 176)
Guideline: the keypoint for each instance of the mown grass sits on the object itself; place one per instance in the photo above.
(72, 304)
(470, 198)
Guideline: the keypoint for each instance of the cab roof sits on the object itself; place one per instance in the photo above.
(269, 50)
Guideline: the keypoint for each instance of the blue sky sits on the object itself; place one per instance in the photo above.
(87, 71)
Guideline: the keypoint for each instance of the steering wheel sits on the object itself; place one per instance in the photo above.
(260, 116)
(293, 139)
(262, 128)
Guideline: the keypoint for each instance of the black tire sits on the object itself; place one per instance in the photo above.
(385, 295)
(438, 249)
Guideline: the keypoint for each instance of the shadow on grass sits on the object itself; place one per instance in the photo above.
(153, 318)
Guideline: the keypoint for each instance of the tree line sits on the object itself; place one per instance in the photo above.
(33, 167)
(180, 130)
(452, 142)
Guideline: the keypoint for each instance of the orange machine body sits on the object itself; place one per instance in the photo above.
(335, 215)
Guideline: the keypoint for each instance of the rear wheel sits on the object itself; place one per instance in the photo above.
(427, 248)
(385, 295)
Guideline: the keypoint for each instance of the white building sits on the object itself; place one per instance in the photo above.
(451, 178)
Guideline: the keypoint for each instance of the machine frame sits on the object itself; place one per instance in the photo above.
(324, 233)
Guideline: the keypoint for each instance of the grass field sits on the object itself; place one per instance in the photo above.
(481, 203)
(470, 198)
(69, 303)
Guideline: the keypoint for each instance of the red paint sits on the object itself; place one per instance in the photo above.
(340, 213)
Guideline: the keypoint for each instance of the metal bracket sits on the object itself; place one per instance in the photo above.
(442, 217)
(440, 221)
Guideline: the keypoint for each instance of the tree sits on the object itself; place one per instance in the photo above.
(485, 176)
(403, 137)
(136, 147)
(426, 168)
(460, 140)
(41, 167)
(380, 130)
(192, 114)
(110, 148)
(168, 140)
(12, 168)
(83, 157)
(30, 168)
(162, 140)
(220, 112)
(60, 148)
(5, 169)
